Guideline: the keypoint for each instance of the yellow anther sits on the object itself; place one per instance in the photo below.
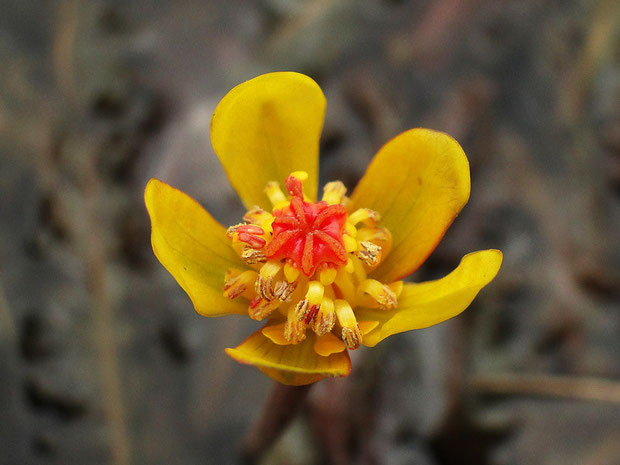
(325, 319)
(307, 308)
(283, 290)
(260, 309)
(351, 334)
(266, 279)
(238, 283)
(291, 273)
(369, 253)
(327, 275)
(259, 217)
(301, 175)
(350, 244)
(294, 329)
(365, 215)
(349, 267)
(275, 194)
(231, 230)
(334, 192)
(350, 229)
(252, 256)
(379, 236)
(372, 293)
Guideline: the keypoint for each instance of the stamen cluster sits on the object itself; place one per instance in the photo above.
(309, 263)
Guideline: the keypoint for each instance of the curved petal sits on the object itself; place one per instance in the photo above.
(426, 304)
(294, 364)
(418, 182)
(192, 246)
(266, 128)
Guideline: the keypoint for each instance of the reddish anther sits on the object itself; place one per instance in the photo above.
(254, 241)
(308, 234)
(249, 233)
(294, 187)
(311, 313)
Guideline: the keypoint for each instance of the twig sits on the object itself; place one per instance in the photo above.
(592, 389)
(281, 407)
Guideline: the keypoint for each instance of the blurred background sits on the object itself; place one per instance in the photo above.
(102, 357)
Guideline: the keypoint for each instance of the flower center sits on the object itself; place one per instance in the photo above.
(308, 266)
(308, 234)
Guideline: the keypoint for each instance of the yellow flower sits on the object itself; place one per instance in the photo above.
(324, 275)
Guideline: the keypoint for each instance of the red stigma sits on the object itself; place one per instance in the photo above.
(308, 234)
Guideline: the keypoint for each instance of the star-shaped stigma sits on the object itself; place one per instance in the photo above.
(308, 234)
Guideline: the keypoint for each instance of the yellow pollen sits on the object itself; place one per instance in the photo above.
(283, 290)
(372, 293)
(325, 319)
(294, 329)
(252, 256)
(265, 282)
(236, 282)
(351, 333)
(263, 309)
(369, 253)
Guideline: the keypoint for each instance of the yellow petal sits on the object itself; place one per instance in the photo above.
(328, 344)
(418, 182)
(193, 247)
(426, 304)
(275, 333)
(294, 364)
(266, 128)
(367, 326)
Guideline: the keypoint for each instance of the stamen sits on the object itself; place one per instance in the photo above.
(283, 290)
(260, 308)
(291, 273)
(307, 308)
(252, 256)
(372, 293)
(325, 319)
(327, 275)
(369, 253)
(365, 215)
(275, 194)
(350, 244)
(379, 236)
(334, 192)
(237, 282)
(350, 229)
(265, 282)
(294, 329)
(258, 216)
(351, 333)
